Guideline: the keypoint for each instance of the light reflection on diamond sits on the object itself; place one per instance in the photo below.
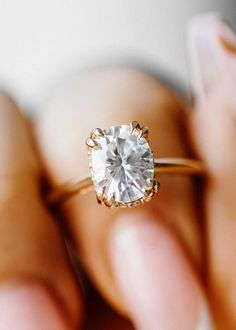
(123, 164)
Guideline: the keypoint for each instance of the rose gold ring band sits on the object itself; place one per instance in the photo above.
(183, 166)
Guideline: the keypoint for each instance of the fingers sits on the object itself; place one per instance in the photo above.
(33, 261)
(214, 134)
(101, 99)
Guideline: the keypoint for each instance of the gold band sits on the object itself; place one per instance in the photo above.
(162, 165)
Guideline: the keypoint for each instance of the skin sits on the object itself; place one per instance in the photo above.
(91, 241)
(197, 235)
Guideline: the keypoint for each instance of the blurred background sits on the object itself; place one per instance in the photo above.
(42, 41)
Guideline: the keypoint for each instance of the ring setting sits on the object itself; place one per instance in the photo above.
(122, 168)
(122, 165)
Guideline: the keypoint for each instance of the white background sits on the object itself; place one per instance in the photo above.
(40, 41)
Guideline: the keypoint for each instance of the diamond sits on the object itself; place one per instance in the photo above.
(122, 165)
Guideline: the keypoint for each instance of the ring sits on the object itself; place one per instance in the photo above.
(123, 168)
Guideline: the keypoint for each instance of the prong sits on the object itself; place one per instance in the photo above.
(98, 199)
(149, 193)
(134, 127)
(144, 132)
(91, 143)
(100, 194)
(152, 182)
(109, 201)
(157, 186)
(96, 133)
(153, 186)
(102, 198)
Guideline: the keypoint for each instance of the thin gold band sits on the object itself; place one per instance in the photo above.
(162, 165)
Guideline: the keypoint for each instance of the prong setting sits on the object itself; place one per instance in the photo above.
(113, 153)
(109, 201)
(92, 142)
(96, 133)
(151, 190)
(144, 132)
(136, 128)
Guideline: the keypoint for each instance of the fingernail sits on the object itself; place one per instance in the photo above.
(29, 308)
(212, 55)
(154, 277)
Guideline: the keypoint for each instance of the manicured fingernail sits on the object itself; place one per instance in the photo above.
(29, 308)
(154, 277)
(212, 55)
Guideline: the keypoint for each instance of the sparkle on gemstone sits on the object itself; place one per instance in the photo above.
(122, 165)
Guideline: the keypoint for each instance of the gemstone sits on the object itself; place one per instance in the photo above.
(121, 165)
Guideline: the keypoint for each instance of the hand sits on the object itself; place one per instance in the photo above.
(145, 261)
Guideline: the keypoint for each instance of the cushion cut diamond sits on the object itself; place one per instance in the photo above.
(121, 165)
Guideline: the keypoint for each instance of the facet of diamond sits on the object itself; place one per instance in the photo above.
(122, 168)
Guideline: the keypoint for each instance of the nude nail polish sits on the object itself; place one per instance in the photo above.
(212, 56)
(155, 277)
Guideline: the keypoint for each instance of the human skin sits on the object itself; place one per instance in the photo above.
(148, 262)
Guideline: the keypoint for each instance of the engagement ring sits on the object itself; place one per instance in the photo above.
(123, 168)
